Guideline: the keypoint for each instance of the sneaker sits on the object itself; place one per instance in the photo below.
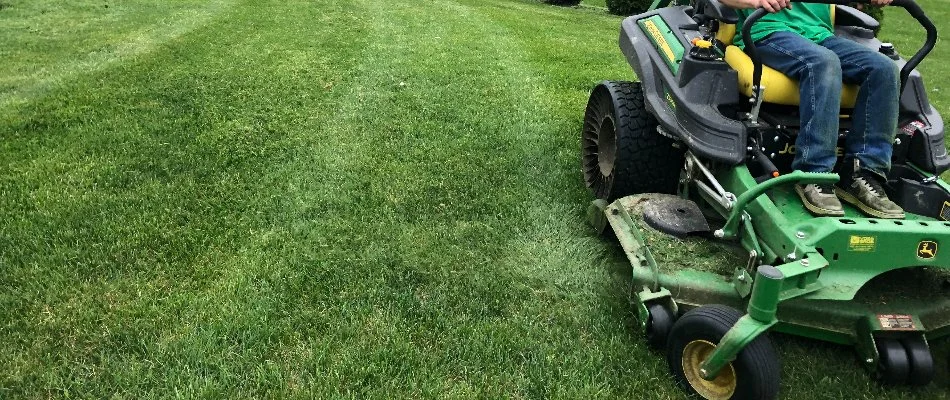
(865, 191)
(820, 200)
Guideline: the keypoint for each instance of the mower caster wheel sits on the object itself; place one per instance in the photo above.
(754, 374)
(659, 324)
(893, 368)
(921, 361)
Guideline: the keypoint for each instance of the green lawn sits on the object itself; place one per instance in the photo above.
(229, 199)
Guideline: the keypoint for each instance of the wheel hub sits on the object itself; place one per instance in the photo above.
(606, 146)
(720, 388)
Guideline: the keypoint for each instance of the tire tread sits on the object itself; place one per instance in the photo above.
(760, 353)
(647, 162)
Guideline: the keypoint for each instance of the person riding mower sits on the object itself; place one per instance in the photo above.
(703, 156)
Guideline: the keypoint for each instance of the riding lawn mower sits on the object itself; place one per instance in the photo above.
(696, 157)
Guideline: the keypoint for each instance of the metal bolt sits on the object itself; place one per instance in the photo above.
(804, 262)
(775, 139)
(791, 256)
(772, 155)
(703, 372)
(719, 233)
(614, 211)
(897, 141)
(751, 100)
(742, 276)
(800, 234)
(869, 361)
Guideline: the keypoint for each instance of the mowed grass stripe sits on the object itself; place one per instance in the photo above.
(430, 269)
(63, 40)
(557, 247)
(127, 230)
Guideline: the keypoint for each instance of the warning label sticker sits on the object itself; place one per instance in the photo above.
(945, 211)
(862, 243)
(896, 322)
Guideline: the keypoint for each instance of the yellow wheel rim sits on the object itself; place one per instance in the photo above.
(721, 388)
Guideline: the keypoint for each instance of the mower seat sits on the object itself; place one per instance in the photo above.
(779, 89)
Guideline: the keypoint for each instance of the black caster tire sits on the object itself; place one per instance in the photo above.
(659, 325)
(921, 362)
(754, 374)
(622, 153)
(893, 367)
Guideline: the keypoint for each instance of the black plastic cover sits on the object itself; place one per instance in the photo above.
(850, 16)
(687, 106)
(718, 11)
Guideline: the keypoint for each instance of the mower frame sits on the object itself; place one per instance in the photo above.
(803, 274)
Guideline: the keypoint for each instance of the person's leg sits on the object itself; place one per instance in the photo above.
(819, 74)
(869, 144)
(875, 112)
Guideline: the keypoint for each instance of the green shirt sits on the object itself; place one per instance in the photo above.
(812, 21)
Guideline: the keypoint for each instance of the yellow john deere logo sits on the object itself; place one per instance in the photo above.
(660, 41)
(927, 249)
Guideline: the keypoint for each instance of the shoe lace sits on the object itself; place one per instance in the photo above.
(826, 189)
(873, 181)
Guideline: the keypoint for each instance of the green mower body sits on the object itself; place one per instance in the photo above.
(684, 166)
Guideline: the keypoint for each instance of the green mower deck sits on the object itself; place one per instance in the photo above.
(850, 280)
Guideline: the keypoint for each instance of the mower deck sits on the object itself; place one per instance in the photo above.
(698, 269)
(685, 269)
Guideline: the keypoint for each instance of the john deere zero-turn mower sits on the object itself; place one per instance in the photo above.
(700, 149)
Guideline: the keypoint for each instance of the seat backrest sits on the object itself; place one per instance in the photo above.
(727, 32)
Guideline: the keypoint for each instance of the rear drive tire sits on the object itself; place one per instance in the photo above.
(622, 151)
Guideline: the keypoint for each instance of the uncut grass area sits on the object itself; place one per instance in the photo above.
(333, 198)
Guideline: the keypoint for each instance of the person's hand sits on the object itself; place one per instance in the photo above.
(881, 3)
(774, 6)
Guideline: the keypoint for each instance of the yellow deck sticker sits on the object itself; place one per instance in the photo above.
(862, 243)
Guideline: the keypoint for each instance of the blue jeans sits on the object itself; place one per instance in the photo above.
(820, 70)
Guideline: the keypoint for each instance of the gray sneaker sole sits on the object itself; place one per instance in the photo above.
(819, 211)
(850, 199)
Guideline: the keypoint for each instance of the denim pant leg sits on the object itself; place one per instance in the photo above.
(818, 72)
(871, 138)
